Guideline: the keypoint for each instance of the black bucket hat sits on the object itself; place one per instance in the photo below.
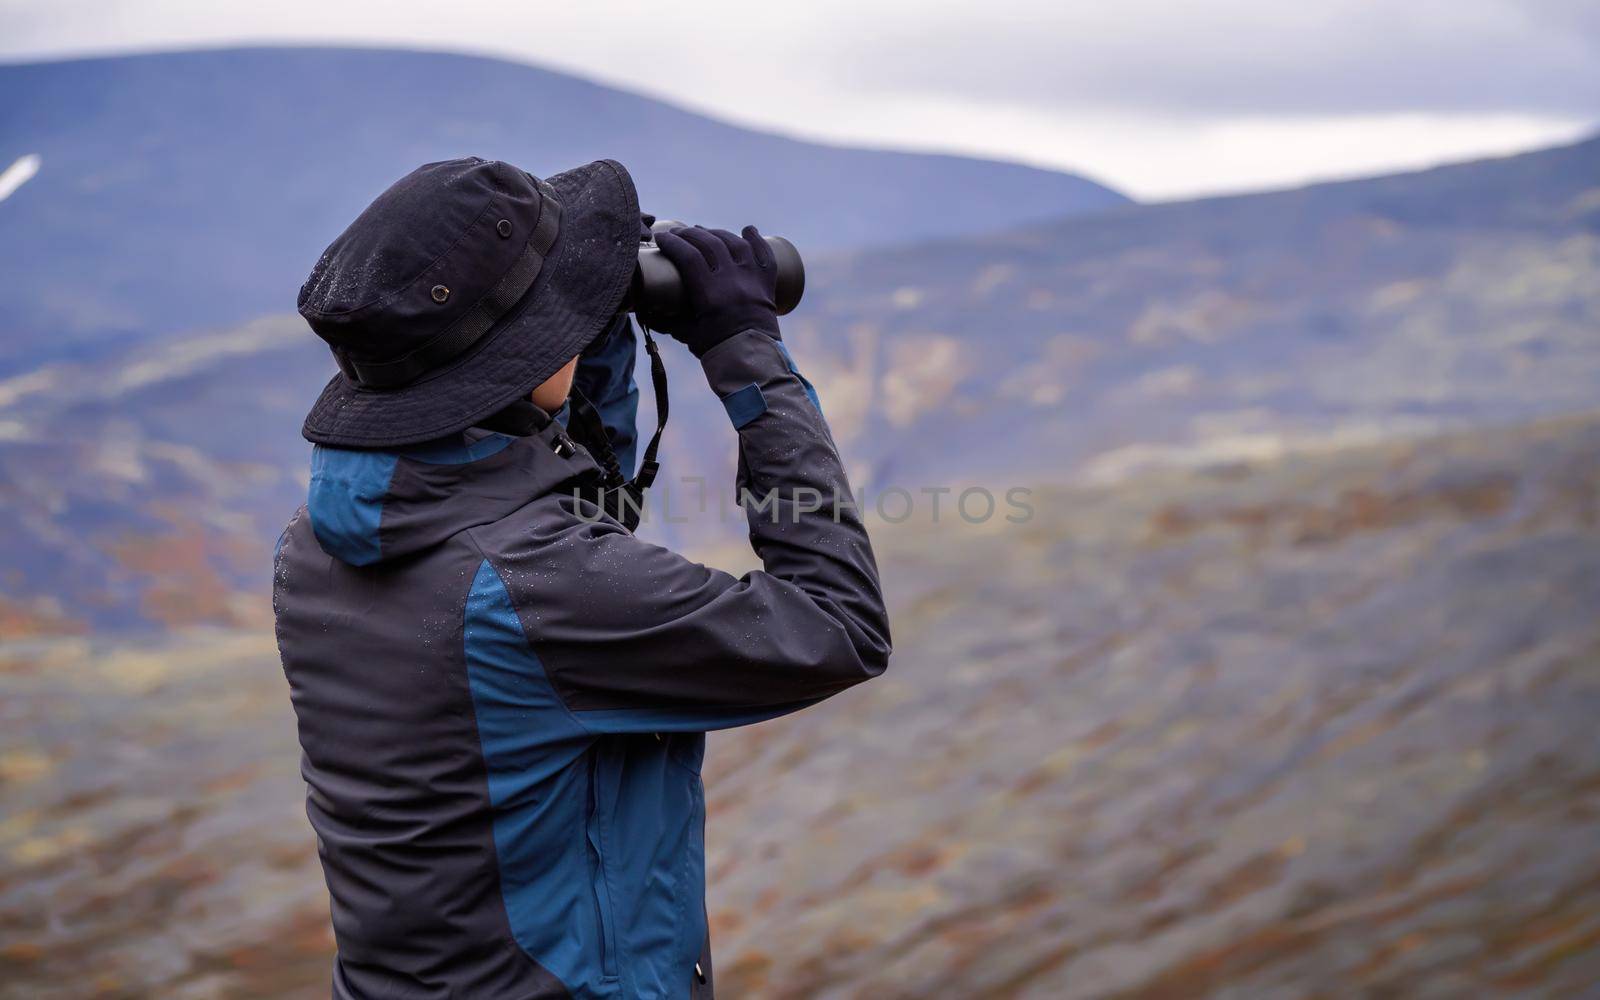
(462, 288)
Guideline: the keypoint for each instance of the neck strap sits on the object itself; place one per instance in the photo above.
(622, 499)
(648, 467)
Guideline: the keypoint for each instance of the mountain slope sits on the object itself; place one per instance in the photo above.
(184, 190)
(1321, 719)
(144, 487)
(1414, 301)
(1228, 733)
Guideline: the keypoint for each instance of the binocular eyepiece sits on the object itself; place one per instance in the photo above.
(658, 288)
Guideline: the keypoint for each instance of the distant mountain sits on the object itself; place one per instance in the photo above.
(1221, 327)
(194, 189)
(143, 488)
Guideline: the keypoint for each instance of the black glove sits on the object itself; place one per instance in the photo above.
(728, 285)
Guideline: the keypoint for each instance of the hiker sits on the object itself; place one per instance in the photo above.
(502, 694)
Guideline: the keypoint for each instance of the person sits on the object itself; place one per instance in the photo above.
(501, 692)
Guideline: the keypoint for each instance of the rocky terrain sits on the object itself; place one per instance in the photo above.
(1316, 725)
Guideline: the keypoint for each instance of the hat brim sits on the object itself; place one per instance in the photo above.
(579, 289)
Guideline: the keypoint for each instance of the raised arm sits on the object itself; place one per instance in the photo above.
(635, 637)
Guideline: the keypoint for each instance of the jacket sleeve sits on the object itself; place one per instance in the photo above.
(605, 377)
(636, 638)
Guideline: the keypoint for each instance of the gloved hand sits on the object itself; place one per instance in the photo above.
(729, 284)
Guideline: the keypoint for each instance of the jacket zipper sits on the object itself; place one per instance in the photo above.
(597, 878)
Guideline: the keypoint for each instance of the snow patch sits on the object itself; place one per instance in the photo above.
(18, 174)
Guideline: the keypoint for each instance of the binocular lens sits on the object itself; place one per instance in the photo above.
(657, 287)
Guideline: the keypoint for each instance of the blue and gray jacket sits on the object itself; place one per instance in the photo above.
(502, 697)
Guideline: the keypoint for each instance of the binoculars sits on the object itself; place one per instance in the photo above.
(657, 288)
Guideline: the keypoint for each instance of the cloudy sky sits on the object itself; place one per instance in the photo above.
(1163, 99)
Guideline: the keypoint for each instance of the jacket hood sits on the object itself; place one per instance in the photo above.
(370, 506)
